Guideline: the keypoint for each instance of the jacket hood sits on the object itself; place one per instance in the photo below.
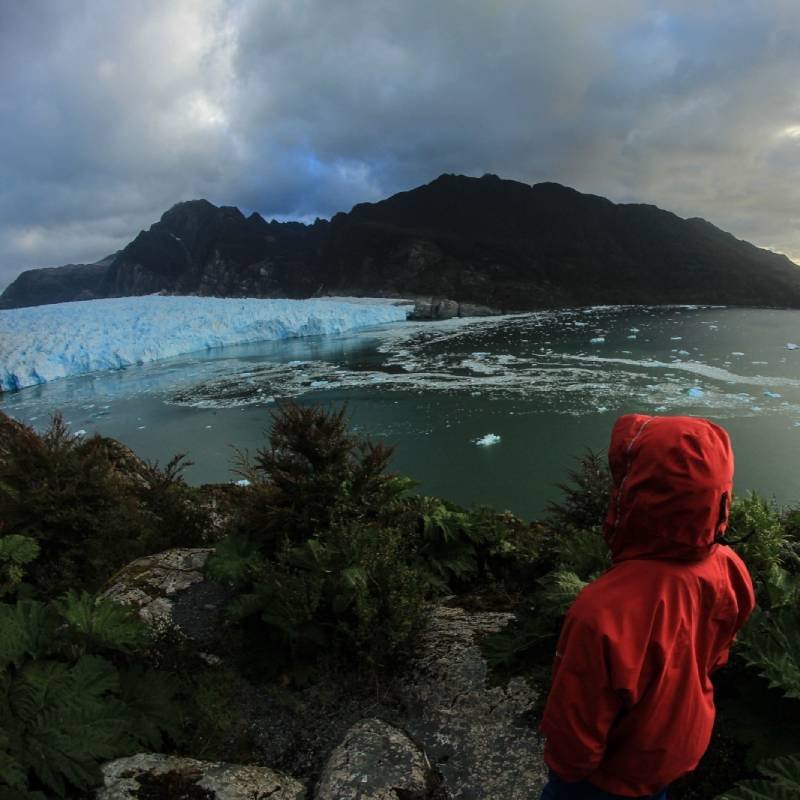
(672, 483)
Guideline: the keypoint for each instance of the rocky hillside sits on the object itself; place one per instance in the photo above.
(485, 241)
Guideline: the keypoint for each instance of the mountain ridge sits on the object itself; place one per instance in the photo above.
(490, 241)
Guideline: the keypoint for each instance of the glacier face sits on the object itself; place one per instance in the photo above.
(44, 343)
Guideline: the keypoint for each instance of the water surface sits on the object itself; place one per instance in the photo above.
(548, 384)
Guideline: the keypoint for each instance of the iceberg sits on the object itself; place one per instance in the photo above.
(487, 440)
(43, 343)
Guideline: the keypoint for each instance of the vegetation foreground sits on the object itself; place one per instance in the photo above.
(331, 565)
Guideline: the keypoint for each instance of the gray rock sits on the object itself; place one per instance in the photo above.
(188, 778)
(481, 739)
(376, 761)
(170, 592)
(443, 308)
(475, 310)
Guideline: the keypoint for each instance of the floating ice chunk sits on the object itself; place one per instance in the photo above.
(713, 327)
(632, 336)
(597, 340)
(737, 353)
(633, 330)
(480, 354)
(683, 352)
(488, 439)
(796, 423)
(675, 338)
(660, 408)
(208, 427)
(141, 427)
(767, 393)
(81, 432)
(792, 346)
(601, 409)
(756, 408)
(695, 391)
(579, 324)
(242, 482)
(318, 384)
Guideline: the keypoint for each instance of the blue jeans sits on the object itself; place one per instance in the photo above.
(556, 789)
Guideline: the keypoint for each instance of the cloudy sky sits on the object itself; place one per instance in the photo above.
(113, 111)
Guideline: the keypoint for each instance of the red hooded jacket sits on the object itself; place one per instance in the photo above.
(631, 706)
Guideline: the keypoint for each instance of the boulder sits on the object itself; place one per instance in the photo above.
(376, 761)
(481, 739)
(475, 310)
(434, 308)
(152, 775)
(170, 592)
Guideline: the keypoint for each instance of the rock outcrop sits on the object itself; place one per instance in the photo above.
(440, 727)
(481, 739)
(376, 761)
(155, 775)
(481, 243)
(170, 592)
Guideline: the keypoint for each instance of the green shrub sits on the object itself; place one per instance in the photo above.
(89, 504)
(585, 495)
(318, 550)
(572, 552)
(72, 696)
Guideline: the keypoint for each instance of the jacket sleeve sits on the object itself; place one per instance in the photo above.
(582, 705)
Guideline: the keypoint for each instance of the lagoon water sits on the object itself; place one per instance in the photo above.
(481, 410)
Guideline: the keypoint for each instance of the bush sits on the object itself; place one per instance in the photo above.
(90, 505)
(318, 551)
(572, 553)
(756, 532)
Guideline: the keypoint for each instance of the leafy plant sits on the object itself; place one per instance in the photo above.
(15, 552)
(784, 783)
(69, 695)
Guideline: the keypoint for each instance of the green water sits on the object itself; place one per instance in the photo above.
(434, 390)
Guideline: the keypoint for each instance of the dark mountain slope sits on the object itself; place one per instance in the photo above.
(481, 240)
(512, 246)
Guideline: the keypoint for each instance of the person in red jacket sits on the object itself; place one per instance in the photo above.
(631, 706)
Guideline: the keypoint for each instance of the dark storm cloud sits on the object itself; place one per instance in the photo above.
(298, 108)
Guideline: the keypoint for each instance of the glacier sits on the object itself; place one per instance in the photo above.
(44, 343)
